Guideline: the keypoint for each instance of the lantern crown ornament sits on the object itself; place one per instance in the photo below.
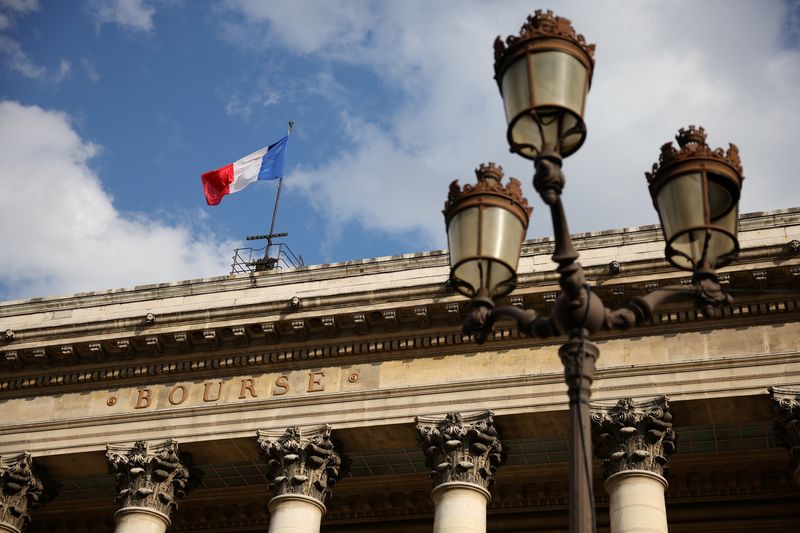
(486, 224)
(696, 190)
(543, 24)
(544, 75)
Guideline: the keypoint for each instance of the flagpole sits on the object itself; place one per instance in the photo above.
(277, 200)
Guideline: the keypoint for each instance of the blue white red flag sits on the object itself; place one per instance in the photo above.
(265, 164)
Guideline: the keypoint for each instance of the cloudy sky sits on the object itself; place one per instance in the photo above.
(111, 109)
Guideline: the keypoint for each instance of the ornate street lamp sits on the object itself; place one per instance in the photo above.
(544, 75)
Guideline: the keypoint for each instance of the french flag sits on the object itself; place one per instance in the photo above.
(265, 164)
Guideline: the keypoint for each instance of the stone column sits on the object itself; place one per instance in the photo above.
(20, 492)
(786, 407)
(634, 441)
(302, 468)
(151, 478)
(463, 452)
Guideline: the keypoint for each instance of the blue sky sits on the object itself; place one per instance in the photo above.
(111, 110)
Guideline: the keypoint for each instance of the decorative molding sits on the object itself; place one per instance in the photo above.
(390, 318)
(20, 491)
(331, 329)
(149, 474)
(360, 324)
(126, 348)
(241, 335)
(211, 338)
(300, 330)
(633, 435)
(462, 448)
(301, 461)
(153, 344)
(271, 333)
(423, 317)
(786, 407)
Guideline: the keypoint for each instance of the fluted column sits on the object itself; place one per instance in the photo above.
(20, 492)
(786, 407)
(302, 468)
(151, 478)
(634, 441)
(463, 452)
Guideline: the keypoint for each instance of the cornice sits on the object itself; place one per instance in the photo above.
(356, 313)
(314, 273)
(309, 342)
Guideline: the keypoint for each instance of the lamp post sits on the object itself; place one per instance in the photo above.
(544, 75)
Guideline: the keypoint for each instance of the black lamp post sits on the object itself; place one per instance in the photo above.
(544, 76)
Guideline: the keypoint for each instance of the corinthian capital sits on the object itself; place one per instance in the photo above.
(20, 491)
(633, 435)
(461, 448)
(786, 407)
(301, 461)
(149, 474)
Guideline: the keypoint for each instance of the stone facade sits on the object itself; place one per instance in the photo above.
(257, 375)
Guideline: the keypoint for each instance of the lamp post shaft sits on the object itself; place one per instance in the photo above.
(579, 355)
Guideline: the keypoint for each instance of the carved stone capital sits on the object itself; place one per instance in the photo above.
(461, 448)
(20, 491)
(149, 474)
(301, 461)
(633, 435)
(786, 407)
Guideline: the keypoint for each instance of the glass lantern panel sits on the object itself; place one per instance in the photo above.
(493, 262)
(526, 134)
(723, 243)
(559, 79)
(462, 235)
(516, 89)
(720, 200)
(502, 235)
(680, 204)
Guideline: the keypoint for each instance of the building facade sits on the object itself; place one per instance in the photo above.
(344, 397)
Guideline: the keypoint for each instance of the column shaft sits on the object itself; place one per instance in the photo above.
(140, 520)
(636, 502)
(291, 513)
(460, 508)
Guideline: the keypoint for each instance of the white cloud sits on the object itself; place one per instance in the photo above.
(14, 57)
(659, 67)
(134, 15)
(18, 61)
(91, 69)
(19, 6)
(65, 233)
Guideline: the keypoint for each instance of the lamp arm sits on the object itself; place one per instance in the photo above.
(706, 292)
(640, 310)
